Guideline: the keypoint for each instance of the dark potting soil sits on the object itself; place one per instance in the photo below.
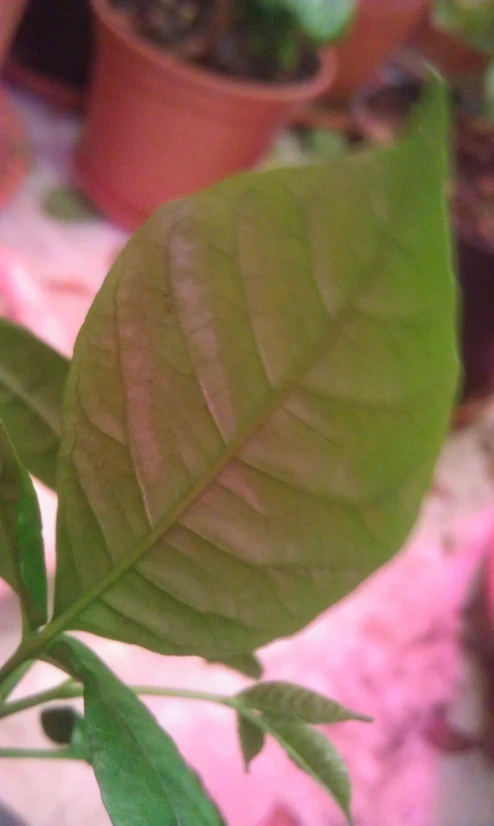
(55, 40)
(473, 199)
(184, 28)
(473, 210)
(394, 102)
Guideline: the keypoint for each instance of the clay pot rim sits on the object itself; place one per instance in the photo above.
(297, 91)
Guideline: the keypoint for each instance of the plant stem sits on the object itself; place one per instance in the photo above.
(44, 754)
(32, 645)
(62, 691)
(184, 694)
(69, 690)
(14, 679)
(18, 660)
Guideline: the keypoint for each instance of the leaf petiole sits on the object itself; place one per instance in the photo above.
(43, 754)
(69, 690)
(14, 679)
(62, 691)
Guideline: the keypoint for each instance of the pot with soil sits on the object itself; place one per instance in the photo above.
(10, 15)
(185, 93)
(380, 27)
(380, 113)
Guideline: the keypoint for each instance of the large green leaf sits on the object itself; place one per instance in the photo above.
(22, 561)
(32, 379)
(257, 399)
(251, 739)
(295, 702)
(143, 779)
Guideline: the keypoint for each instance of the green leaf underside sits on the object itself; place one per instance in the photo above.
(311, 751)
(143, 779)
(294, 701)
(32, 380)
(257, 399)
(251, 739)
(22, 561)
(247, 664)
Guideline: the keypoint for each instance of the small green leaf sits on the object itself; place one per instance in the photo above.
(312, 752)
(470, 21)
(297, 703)
(144, 780)
(326, 144)
(324, 21)
(32, 380)
(22, 562)
(251, 739)
(247, 664)
(65, 726)
(69, 205)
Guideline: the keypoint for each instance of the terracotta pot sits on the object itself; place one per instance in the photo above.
(159, 128)
(14, 153)
(10, 16)
(451, 57)
(379, 28)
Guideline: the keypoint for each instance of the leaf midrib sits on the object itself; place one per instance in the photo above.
(294, 754)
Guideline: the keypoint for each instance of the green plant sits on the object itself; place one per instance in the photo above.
(250, 420)
(469, 20)
(266, 39)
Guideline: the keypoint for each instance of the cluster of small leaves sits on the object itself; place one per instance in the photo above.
(287, 712)
(277, 32)
(323, 21)
(246, 430)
